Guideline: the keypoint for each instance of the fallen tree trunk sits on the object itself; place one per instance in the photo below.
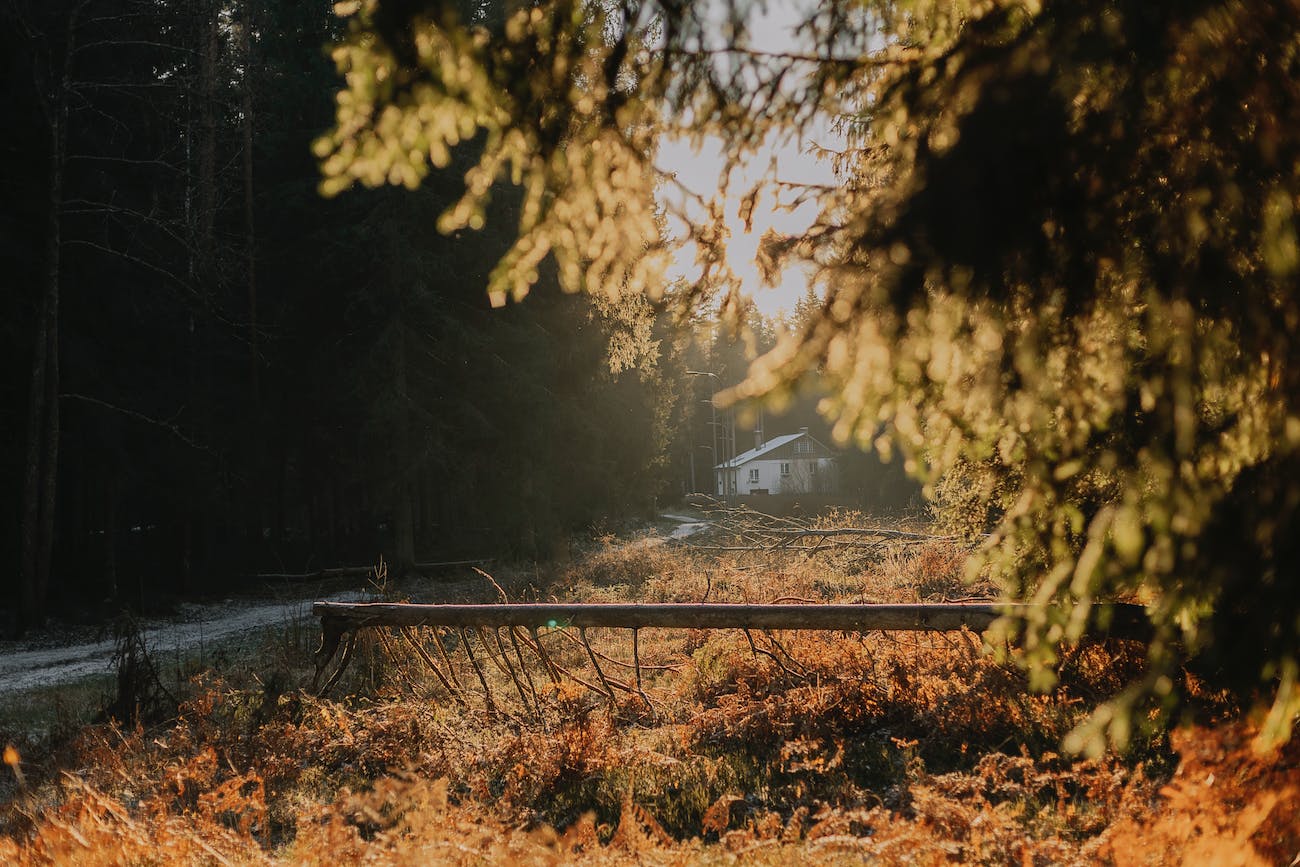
(858, 531)
(361, 571)
(342, 618)
(1120, 620)
(337, 572)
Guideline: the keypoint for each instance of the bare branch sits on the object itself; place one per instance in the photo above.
(169, 426)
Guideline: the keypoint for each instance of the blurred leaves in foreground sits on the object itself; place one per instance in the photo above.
(1059, 272)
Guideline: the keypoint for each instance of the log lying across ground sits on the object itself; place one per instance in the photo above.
(343, 618)
(1126, 619)
(361, 571)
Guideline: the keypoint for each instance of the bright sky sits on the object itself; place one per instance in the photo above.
(700, 171)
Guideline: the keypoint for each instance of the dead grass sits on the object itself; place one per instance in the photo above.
(789, 748)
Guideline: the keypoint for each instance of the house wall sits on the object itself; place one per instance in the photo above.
(801, 455)
(806, 475)
(790, 451)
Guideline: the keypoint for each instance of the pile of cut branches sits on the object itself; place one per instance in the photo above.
(744, 532)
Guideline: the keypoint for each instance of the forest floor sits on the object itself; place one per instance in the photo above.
(702, 747)
(60, 657)
(70, 664)
(66, 654)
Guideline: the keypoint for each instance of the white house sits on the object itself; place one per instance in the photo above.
(789, 464)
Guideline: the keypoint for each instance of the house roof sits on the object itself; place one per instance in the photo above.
(771, 445)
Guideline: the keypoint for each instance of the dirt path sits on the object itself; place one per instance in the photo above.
(199, 627)
(686, 528)
(27, 665)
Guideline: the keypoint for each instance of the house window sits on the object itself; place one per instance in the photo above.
(803, 447)
(785, 468)
(753, 476)
(812, 468)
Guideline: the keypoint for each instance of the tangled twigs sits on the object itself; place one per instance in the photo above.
(545, 657)
(772, 638)
(500, 592)
(478, 669)
(482, 631)
(558, 672)
(604, 657)
(745, 531)
(331, 632)
(532, 687)
(756, 650)
(569, 624)
(636, 656)
(348, 650)
(636, 662)
(393, 657)
(595, 663)
(519, 687)
(433, 666)
(446, 660)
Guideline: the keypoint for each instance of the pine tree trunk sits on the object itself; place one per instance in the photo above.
(250, 234)
(266, 490)
(32, 599)
(403, 505)
(207, 181)
(110, 538)
(202, 224)
(40, 477)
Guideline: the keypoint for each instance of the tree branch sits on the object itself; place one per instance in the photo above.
(170, 427)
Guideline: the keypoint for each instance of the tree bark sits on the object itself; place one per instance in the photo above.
(207, 180)
(201, 223)
(40, 478)
(250, 234)
(110, 538)
(403, 507)
(32, 600)
(1117, 620)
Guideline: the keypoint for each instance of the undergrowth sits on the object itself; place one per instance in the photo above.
(786, 748)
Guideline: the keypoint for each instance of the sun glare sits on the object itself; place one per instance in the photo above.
(701, 172)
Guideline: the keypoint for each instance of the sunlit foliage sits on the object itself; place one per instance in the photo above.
(798, 748)
(1060, 272)
(571, 131)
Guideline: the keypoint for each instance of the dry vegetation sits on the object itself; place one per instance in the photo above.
(797, 748)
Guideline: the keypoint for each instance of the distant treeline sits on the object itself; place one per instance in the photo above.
(212, 371)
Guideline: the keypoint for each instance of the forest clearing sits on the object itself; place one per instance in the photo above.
(354, 350)
(770, 747)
